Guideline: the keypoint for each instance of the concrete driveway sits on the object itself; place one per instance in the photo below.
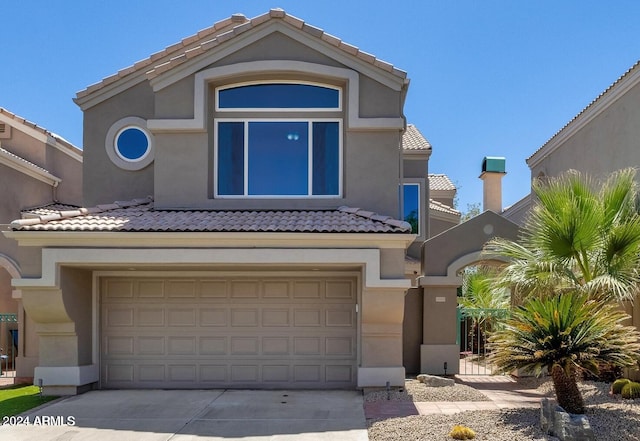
(180, 415)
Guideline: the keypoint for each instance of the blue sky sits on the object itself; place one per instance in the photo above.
(491, 77)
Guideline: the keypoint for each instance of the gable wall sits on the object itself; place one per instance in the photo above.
(609, 142)
(182, 173)
(103, 181)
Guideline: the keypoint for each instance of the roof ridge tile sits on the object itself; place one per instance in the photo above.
(225, 30)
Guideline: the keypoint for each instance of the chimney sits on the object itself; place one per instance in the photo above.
(493, 169)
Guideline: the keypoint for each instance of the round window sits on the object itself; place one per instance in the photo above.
(132, 144)
(129, 144)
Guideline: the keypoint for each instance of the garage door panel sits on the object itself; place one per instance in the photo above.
(150, 316)
(339, 317)
(213, 317)
(194, 333)
(308, 290)
(275, 346)
(184, 289)
(151, 346)
(307, 317)
(150, 289)
(276, 290)
(182, 317)
(120, 317)
(245, 289)
(213, 345)
(275, 317)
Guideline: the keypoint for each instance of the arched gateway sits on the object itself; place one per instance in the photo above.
(443, 256)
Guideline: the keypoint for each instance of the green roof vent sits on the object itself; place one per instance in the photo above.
(494, 164)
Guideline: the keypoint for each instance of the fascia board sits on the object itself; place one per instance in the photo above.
(40, 136)
(448, 217)
(54, 258)
(240, 41)
(209, 240)
(29, 169)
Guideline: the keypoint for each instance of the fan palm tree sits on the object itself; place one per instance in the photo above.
(581, 235)
(482, 301)
(563, 334)
(579, 252)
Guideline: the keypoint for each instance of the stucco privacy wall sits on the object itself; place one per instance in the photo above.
(443, 257)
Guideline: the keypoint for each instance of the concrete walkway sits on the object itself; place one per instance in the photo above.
(181, 415)
(503, 392)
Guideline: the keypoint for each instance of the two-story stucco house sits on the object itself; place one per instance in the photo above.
(37, 168)
(257, 240)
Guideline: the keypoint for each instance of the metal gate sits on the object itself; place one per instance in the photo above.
(8, 344)
(474, 328)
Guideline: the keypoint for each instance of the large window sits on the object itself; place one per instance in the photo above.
(263, 157)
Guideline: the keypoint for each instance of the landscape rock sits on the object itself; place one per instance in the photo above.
(563, 425)
(435, 381)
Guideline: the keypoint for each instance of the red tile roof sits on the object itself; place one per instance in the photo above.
(414, 140)
(222, 31)
(139, 215)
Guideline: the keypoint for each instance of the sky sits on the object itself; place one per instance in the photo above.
(488, 78)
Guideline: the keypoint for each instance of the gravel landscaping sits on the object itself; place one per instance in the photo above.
(611, 418)
(416, 391)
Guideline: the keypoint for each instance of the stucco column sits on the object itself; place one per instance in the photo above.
(63, 323)
(440, 323)
(381, 337)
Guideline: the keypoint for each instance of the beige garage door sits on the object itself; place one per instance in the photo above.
(267, 332)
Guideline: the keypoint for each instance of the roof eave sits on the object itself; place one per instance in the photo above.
(81, 239)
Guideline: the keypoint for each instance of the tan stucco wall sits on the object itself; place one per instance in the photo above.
(609, 142)
(104, 182)
(184, 166)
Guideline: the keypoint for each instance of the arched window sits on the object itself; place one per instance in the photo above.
(270, 153)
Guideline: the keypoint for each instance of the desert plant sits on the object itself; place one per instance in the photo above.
(462, 432)
(616, 386)
(581, 236)
(565, 335)
(631, 390)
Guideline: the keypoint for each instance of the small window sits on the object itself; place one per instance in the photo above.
(281, 96)
(411, 198)
(132, 144)
(129, 144)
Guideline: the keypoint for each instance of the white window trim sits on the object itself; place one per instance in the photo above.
(202, 79)
(309, 194)
(112, 152)
(144, 132)
(278, 109)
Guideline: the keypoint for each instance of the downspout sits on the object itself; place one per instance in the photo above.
(54, 191)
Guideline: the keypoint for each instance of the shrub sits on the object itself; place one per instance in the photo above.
(462, 432)
(617, 385)
(631, 390)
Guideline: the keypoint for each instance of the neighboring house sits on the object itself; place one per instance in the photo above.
(37, 168)
(602, 138)
(421, 190)
(256, 240)
(442, 214)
